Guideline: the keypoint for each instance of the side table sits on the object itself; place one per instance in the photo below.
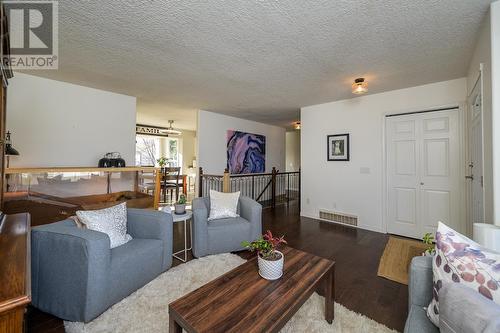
(186, 217)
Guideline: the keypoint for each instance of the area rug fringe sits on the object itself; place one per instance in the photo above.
(146, 310)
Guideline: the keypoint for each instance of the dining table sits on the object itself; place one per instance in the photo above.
(183, 177)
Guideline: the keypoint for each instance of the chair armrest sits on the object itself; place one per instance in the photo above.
(420, 284)
(200, 227)
(251, 211)
(153, 224)
(149, 224)
(462, 309)
(69, 268)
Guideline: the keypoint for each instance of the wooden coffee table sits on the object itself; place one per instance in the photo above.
(242, 301)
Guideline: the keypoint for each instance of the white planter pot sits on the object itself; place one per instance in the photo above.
(180, 209)
(271, 270)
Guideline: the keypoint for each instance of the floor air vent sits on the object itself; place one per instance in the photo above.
(338, 217)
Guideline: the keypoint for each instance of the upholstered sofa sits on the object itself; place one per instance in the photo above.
(224, 235)
(75, 274)
(461, 308)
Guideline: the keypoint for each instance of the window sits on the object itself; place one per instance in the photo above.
(147, 150)
(172, 152)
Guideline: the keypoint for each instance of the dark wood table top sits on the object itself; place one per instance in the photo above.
(242, 301)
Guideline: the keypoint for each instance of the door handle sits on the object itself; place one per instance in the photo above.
(471, 177)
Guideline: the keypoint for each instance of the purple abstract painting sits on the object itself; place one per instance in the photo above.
(246, 152)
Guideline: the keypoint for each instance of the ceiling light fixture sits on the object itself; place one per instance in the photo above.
(360, 86)
(170, 129)
(296, 125)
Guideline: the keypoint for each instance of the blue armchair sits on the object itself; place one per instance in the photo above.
(75, 274)
(225, 235)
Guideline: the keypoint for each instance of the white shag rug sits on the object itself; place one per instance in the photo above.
(146, 310)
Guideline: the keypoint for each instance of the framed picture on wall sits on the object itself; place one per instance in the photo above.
(338, 147)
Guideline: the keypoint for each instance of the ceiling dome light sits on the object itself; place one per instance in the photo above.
(360, 86)
(296, 125)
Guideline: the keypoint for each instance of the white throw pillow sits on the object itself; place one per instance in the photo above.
(223, 205)
(458, 259)
(111, 221)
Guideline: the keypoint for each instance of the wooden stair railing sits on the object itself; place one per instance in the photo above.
(267, 188)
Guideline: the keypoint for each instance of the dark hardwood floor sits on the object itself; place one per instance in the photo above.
(356, 253)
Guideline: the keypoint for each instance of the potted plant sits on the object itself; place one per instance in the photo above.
(162, 161)
(180, 205)
(270, 260)
(428, 240)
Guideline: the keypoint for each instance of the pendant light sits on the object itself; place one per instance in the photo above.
(170, 129)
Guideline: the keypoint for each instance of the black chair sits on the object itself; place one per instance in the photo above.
(170, 182)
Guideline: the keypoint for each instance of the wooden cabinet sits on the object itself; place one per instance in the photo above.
(5, 75)
(15, 273)
(15, 263)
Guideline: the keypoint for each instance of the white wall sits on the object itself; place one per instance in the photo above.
(482, 54)
(495, 78)
(188, 146)
(212, 140)
(340, 185)
(60, 124)
(292, 151)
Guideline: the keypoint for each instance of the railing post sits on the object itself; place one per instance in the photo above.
(200, 182)
(288, 190)
(253, 187)
(273, 188)
(226, 182)
(157, 194)
(300, 189)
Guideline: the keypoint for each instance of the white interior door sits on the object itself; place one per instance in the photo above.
(423, 172)
(475, 175)
(403, 175)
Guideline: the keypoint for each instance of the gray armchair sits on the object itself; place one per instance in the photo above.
(224, 235)
(75, 274)
(419, 296)
(461, 309)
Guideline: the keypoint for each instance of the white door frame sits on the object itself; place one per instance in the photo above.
(478, 80)
(463, 143)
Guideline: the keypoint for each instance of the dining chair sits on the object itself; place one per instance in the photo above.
(171, 181)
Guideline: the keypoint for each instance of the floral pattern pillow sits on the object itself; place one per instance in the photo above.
(460, 260)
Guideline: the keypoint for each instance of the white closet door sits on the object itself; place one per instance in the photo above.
(403, 175)
(440, 170)
(423, 172)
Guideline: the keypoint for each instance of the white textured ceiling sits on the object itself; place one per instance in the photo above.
(260, 60)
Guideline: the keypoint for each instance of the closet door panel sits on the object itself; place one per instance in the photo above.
(402, 172)
(440, 165)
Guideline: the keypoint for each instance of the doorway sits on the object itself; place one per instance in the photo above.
(423, 152)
